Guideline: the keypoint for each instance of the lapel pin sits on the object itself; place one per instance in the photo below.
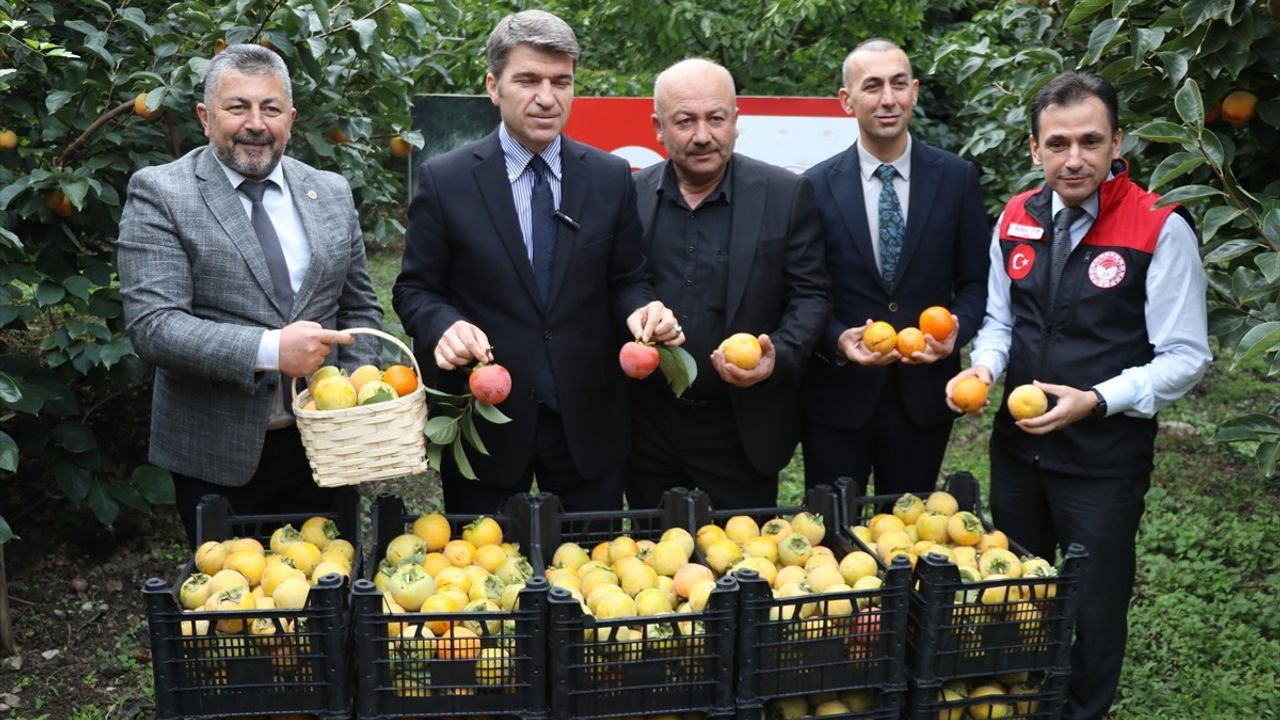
(311, 194)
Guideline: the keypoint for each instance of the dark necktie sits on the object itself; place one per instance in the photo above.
(543, 228)
(543, 223)
(891, 224)
(270, 243)
(1060, 247)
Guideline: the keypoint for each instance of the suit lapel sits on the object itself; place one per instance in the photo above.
(575, 176)
(304, 201)
(749, 195)
(926, 175)
(845, 178)
(490, 173)
(225, 207)
(647, 198)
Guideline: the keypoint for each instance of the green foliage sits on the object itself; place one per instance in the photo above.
(1195, 53)
(69, 74)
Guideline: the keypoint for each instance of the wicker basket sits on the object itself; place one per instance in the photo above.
(366, 442)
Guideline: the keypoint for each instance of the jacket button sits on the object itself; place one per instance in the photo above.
(893, 307)
(546, 335)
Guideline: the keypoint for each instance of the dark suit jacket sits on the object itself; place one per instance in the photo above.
(944, 262)
(777, 285)
(465, 259)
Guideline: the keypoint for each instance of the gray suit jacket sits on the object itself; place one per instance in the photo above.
(198, 296)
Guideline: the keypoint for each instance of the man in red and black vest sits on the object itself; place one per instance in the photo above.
(1097, 297)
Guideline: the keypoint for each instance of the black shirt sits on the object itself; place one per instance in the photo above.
(689, 257)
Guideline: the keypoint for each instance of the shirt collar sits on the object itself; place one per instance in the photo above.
(670, 186)
(1090, 205)
(867, 163)
(235, 178)
(518, 156)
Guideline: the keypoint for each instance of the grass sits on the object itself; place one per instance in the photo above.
(1204, 621)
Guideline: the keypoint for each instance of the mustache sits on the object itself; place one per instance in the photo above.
(262, 138)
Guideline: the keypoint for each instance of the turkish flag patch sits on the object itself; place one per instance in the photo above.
(1021, 260)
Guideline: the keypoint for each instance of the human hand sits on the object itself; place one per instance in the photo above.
(305, 344)
(979, 371)
(935, 350)
(462, 344)
(850, 343)
(655, 322)
(1072, 405)
(738, 377)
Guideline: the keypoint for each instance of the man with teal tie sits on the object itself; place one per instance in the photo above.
(906, 229)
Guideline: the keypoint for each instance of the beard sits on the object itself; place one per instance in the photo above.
(255, 163)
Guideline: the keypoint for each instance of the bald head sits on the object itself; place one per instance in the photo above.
(856, 58)
(703, 75)
(695, 115)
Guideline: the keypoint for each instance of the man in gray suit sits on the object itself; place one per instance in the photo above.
(236, 266)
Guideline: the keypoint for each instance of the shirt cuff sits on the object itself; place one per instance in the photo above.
(1120, 394)
(268, 352)
(990, 360)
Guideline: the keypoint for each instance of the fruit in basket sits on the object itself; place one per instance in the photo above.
(457, 643)
(236, 599)
(761, 547)
(326, 371)
(742, 349)
(434, 531)
(775, 529)
(952, 693)
(831, 707)
(304, 556)
(681, 537)
(410, 586)
(364, 375)
(857, 565)
(490, 383)
(723, 553)
(789, 708)
(194, 591)
(483, 530)
(667, 557)
(334, 393)
(209, 557)
(276, 573)
(993, 539)
(932, 526)
(248, 563)
(988, 710)
(404, 546)
(638, 359)
(319, 531)
(908, 508)
(225, 580)
(998, 561)
(688, 576)
(494, 667)
(291, 594)
(964, 528)
(811, 525)
(941, 501)
(402, 378)
(969, 394)
(1025, 708)
(794, 549)
(376, 392)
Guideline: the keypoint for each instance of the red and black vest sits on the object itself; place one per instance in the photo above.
(1095, 328)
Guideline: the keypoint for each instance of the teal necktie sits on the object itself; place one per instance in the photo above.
(892, 226)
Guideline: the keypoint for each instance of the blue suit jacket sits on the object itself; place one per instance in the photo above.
(944, 262)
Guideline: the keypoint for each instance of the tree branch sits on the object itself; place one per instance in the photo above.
(366, 16)
(89, 131)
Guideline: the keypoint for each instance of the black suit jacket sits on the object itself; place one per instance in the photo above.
(465, 259)
(944, 262)
(777, 285)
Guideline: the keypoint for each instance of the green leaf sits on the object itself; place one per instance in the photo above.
(1247, 427)
(153, 483)
(8, 453)
(1175, 166)
(74, 436)
(1211, 146)
(1267, 455)
(490, 413)
(1230, 250)
(1084, 10)
(434, 453)
(1271, 227)
(470, 435)
(1163, 131)
(1188, 193)
(678, 366)
(415, 19)
(365, 28)
(1257, 342)
(322, 13)
(1175, 66)
(6, 533)
(155, 98)
(455, 399)
(464, 463)
(441, 430)
(101, 503)
(1215, 218)
(129, 497)
(1188, 103)
(1269, 264)
(1197, 12)
(10, 390)
(136, 19)
(56, 99)
(1100, 38)
(72, 479)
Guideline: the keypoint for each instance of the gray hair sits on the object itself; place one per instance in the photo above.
(689, 64)
(246, 59)
(536, 28)
(870, 45)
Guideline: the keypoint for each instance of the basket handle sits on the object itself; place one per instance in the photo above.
(381, 335)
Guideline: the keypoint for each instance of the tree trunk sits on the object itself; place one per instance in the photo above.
(7, 646)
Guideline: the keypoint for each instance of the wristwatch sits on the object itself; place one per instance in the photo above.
(1099, 410)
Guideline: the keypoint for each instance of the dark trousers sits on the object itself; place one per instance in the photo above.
(551, 465)
(281, 484)
(891, 452)
(686, 443)
(1045, 511)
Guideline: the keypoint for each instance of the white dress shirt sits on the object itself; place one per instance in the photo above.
(522, 177)
(871, 186)
(1176, 319)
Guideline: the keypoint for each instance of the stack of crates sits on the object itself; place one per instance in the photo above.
(406, 664)
(251, 662)
(847, 646)
(633, 666)
(963, 635)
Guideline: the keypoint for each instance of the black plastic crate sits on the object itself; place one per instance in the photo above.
(885, 704)
(499, 671)
(639, 665)
(1044, 700)
(958, 629)
(261, 661)
(785, 651)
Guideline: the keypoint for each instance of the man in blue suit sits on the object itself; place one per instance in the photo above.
(906, 229)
